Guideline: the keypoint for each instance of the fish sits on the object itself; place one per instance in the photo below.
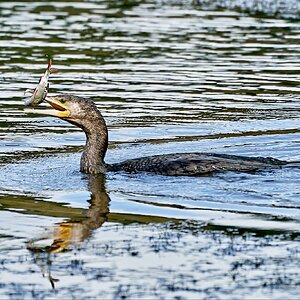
(39, 94)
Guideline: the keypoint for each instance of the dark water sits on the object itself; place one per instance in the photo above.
(168, 76)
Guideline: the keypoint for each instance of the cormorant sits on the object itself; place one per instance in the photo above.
(83, 113)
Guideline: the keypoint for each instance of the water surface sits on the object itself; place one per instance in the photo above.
(168, 76)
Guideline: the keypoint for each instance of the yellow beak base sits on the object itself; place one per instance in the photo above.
(60, 110)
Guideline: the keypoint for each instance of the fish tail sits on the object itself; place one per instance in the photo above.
(49, 63)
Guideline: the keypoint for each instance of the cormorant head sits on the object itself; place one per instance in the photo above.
(79, 111)
(83, 113)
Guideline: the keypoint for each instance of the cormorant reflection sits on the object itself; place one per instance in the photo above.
(71, 233)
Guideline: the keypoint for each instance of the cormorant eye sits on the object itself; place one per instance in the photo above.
(62, 100)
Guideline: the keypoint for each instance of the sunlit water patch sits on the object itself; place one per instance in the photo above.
(211, 263)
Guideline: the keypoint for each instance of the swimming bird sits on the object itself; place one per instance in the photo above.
(83, 113)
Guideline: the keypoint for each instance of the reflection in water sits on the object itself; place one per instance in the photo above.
(73, 232)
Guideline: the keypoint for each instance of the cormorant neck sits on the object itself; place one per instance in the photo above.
(92, 159)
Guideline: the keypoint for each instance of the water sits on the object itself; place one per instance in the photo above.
(168, 76)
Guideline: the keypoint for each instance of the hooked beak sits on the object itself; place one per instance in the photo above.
(60, 109)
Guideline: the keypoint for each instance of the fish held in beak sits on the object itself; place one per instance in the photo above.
(60, 109)
(38, 95)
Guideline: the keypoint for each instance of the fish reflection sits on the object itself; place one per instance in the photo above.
(73, 232)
